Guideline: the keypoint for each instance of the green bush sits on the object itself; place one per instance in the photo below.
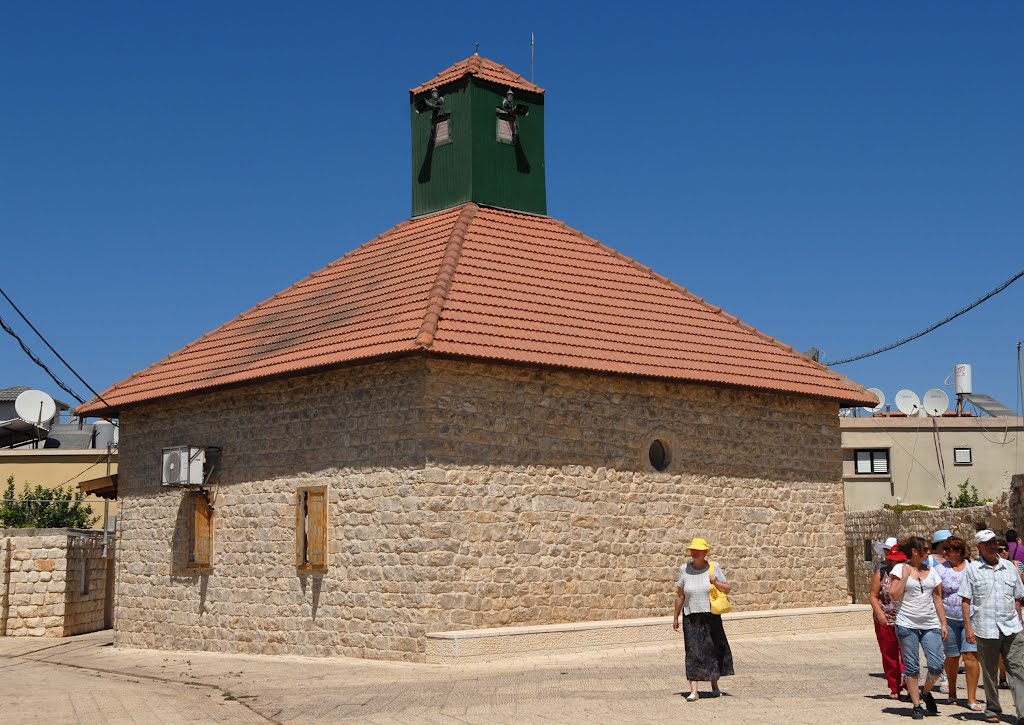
(967, 496)
(901, 507)
(44, 508)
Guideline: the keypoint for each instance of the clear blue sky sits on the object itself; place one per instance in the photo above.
(836, 174)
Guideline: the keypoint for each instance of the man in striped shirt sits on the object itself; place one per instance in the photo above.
(994, 587)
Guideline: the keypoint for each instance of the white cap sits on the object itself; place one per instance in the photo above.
(984, 535)
(889, 543)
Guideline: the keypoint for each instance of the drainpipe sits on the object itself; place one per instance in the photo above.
(5, 610)
(106, 509)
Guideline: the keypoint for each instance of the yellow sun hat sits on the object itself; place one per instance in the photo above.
(699, 544)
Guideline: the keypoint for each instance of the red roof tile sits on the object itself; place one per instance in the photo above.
(483, 283)
(482, 68)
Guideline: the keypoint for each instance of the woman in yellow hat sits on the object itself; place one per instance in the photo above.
(708, 656)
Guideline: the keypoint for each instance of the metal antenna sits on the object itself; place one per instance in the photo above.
(476, 51)
(531, 57)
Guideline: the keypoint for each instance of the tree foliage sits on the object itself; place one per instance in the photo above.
(967, 496)
(44, 508)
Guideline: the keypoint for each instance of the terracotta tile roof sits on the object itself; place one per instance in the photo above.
(483, 283)
(482, 68)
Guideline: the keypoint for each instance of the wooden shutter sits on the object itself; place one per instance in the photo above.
(442, 131)
(504, 130)
(311, 528)
(202, 533)
(317, 528)
(300, 528)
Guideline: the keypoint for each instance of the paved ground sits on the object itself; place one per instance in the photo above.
(829, 679)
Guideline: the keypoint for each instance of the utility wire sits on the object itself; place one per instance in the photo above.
(47, 343)
(37, 361)
(936, 326)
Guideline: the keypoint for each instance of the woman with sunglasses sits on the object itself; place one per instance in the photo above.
(920, 622)
(957, 646)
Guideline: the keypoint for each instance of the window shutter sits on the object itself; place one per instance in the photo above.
(202, 540)
(504, 130)
(442, 131)
(962, 456)
(880, 462)
(300, 528)
(317, 522)
(863, 461)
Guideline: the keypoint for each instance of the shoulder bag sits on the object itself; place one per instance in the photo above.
(719, 601)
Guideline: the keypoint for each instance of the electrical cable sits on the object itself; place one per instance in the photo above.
(936, 326)
(47, 343)
(7, 328)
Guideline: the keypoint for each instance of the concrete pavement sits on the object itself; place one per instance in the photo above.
(821, 678)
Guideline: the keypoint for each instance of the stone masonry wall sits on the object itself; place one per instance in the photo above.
(42, 581)
(871, 526)
(85, 597)
(467, 495)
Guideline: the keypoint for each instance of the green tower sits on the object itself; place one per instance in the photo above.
(477, 135)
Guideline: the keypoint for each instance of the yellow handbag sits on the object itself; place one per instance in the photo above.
(719, 601)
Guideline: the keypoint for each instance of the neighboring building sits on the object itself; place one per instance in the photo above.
(55, 582)
(900, 460)
(480, 418)
(65, 452)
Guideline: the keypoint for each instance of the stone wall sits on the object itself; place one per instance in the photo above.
(54, 582)
(863, 527)
(466, 495)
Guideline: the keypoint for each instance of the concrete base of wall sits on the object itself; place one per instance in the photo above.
(478, 645)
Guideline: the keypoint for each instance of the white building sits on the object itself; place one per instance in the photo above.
(910, 460)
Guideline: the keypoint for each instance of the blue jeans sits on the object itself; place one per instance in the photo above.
(956, 643)
(930, 640)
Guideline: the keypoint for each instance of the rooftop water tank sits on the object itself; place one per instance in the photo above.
(962, 378)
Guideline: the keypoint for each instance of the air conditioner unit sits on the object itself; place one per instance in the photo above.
(183, 466)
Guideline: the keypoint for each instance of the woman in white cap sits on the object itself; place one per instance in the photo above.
(938, 556)
(708, 656)
(935, 560)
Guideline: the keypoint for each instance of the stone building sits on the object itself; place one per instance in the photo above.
(480, 418)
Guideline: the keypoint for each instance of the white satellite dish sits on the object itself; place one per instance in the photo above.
(936, 402)
(881, 400)
(908, 402)
(36, 407)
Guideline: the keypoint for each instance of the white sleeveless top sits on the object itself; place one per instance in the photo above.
(917, 610)
(697, 587)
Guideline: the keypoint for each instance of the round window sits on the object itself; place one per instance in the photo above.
(658, 455)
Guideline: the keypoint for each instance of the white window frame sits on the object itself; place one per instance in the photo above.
(877, 460)
(970, 456)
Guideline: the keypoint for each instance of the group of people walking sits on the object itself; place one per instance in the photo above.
(937, 599)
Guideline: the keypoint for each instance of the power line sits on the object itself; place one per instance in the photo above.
(47, 343)
(37, 361)
(936, 326)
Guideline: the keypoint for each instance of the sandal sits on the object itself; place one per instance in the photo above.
(975, 707)
(692, 697)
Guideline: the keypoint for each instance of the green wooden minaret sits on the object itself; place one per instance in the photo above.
(478, 135)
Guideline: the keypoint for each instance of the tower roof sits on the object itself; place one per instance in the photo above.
(482, 68)
(477, 282)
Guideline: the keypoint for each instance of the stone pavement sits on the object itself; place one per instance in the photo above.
(812, 678)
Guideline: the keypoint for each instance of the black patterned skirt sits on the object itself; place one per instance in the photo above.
(708, 656)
